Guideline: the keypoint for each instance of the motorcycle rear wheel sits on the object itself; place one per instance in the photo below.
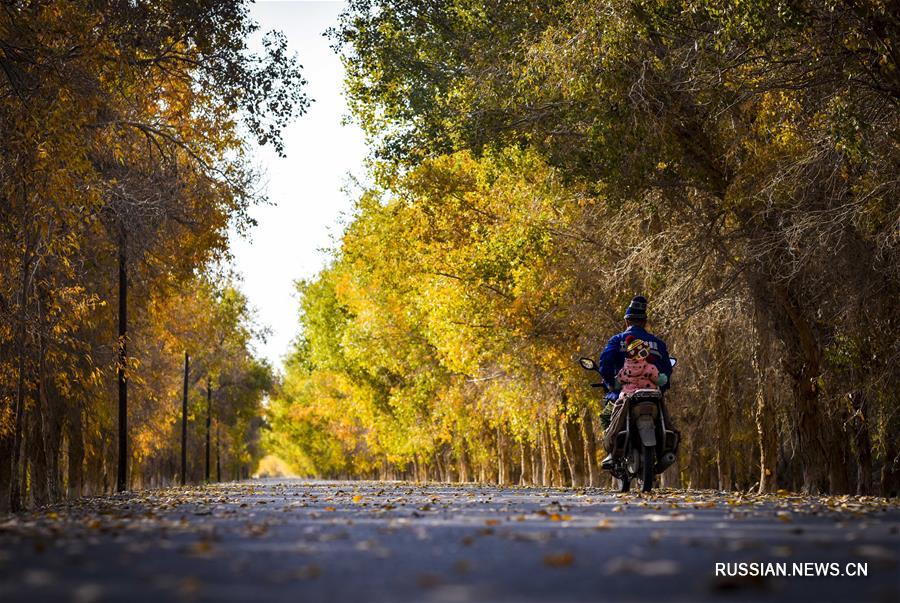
(647, 467)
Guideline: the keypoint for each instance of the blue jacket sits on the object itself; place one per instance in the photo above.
(612, 358)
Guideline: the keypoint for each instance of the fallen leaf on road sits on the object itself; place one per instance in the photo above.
(189, 587)
(655, 517)
(87, 593)
(259, 529)
(429, 580)
(564, 559)
(201, 548)
(308, 572)
(38, 578)
(874, 551)
(603, 524)
(641, 567)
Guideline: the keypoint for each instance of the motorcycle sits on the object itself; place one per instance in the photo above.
(642, 445)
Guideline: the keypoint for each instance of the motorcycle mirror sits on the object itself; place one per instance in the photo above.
(587, 364)
(674, 361)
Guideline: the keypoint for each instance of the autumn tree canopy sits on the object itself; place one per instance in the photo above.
(538, 163)
(125, 134)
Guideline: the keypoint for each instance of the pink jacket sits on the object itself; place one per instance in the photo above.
(637, 374)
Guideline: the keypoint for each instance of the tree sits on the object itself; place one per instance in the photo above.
(123, 155)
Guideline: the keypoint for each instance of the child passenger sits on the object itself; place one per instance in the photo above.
(638, 373)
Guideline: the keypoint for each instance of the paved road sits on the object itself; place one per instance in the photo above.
(292, 540)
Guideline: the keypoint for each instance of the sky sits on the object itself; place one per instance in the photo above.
(306, 188)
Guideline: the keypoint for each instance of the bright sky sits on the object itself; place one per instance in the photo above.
(305, 188)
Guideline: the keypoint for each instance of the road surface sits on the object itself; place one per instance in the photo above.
(295, 540)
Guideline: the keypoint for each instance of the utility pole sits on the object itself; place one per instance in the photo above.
(208, 422)
(121, 481)
(184, 400)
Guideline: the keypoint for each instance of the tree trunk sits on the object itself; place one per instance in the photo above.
(15, 494)
(449, 466)
(6, 444)
(890, 471)
(671, 477)
(766, 430)
(839, 477)
(574, 448)
(463, 463)
(208, 426)
(122, 471)
(438, 468)
(218, 447)
(721, 395)
(75, 453)
(184, 409)
(23, 486)
(863, 444)
(546, 477)
(724, 453)
(52, 431)
(51, 408)
(766, 424)
(525, 464)
(565, 478)
(48, 406)
(590, 447)
(40, 494)
(800, 341)
(502, 477)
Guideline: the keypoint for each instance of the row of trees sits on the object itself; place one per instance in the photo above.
(122, 167)
(537, 164)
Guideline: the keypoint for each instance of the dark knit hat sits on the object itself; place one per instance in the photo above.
(637, 309)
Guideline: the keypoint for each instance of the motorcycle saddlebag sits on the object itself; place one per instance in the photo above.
(614, 436)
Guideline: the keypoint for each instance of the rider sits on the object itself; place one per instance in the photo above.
(612, 359)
